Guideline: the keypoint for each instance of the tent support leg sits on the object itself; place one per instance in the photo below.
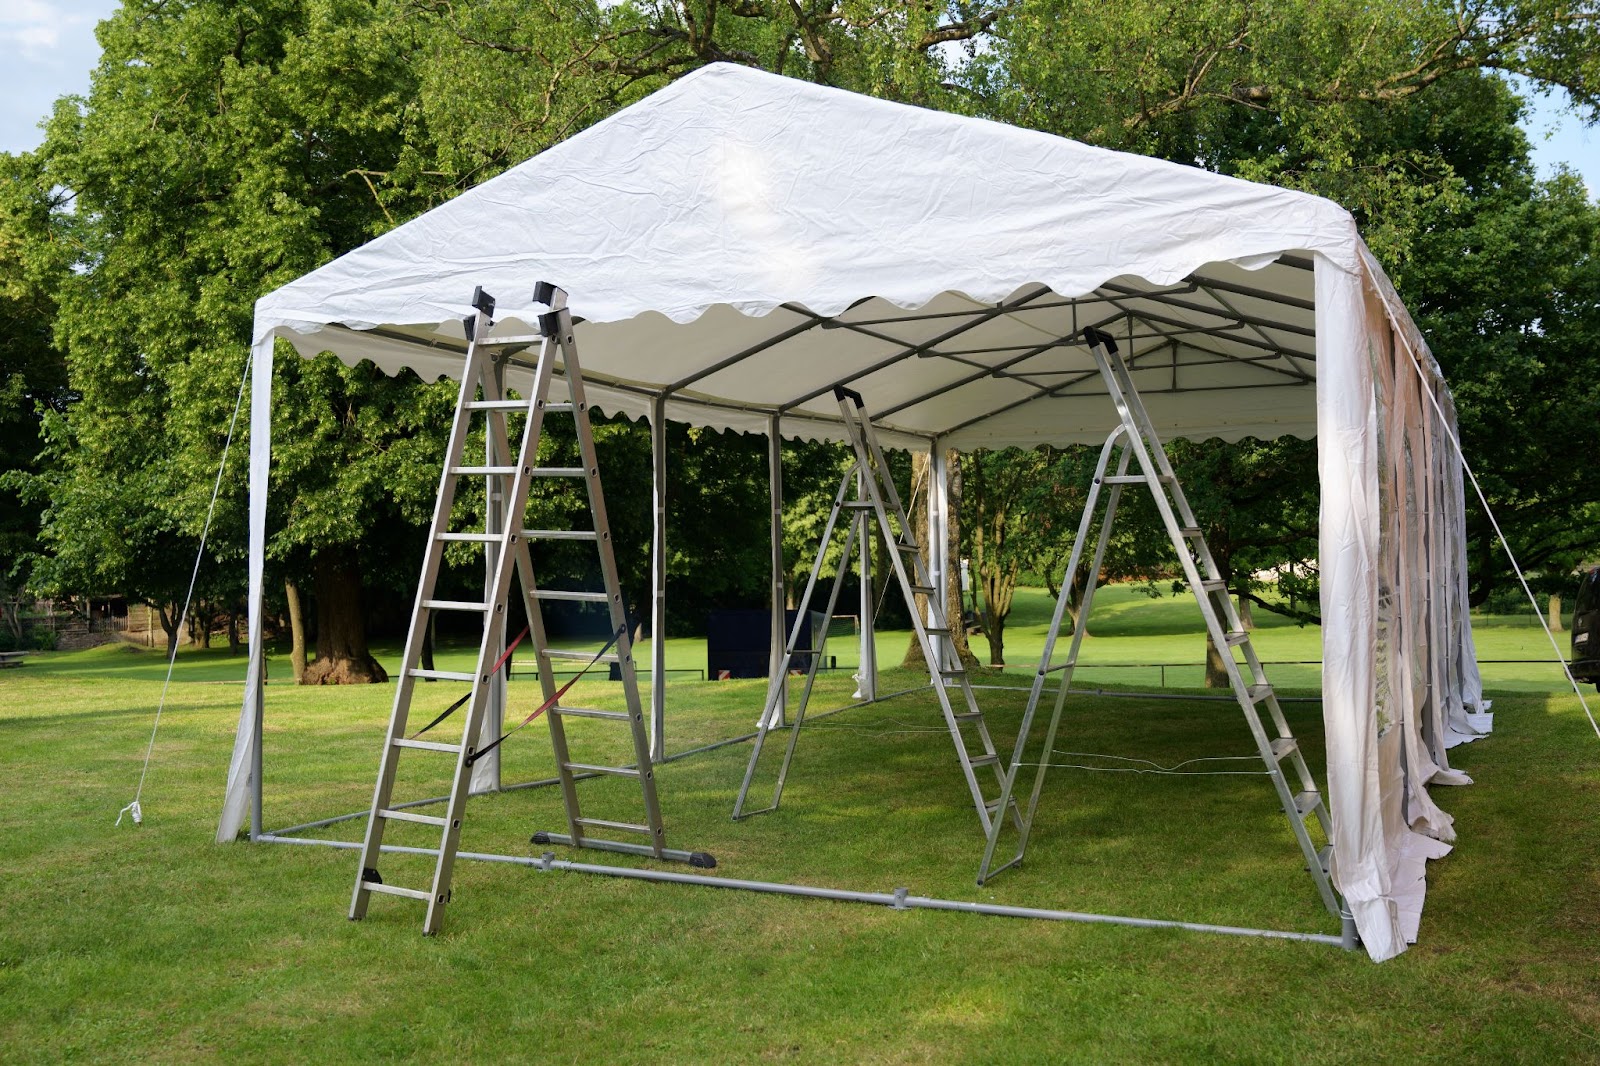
(658, 579)
(778, 658)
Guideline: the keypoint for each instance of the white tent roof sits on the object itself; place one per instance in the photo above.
(738, 244)
(800, 237)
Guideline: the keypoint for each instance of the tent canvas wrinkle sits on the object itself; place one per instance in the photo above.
(738, 244)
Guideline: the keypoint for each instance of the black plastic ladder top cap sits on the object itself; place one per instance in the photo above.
(482, 300)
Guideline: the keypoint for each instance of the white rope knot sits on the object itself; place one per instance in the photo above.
(132, 809)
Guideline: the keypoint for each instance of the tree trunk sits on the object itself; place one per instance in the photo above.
(1246, 619)
(169, 626)
(297, 630)
(342, 656)
(234, 644)
(1555, 614)
(1216, 669)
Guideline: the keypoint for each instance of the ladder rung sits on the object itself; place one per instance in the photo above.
(428, 745)
(1068, 665)
(1123, 479)
(626, 827)
(595, 768)
(580, 656)
(968, 716)
(576, 597)
(923, 590)
(941, 631)
(907, 546)
(859, 505)
(952, 673)
(1325, 857)
(1192, 532)
(496, 405)
(1283, 747)
(396, 890)
(1215, 584)
(478, 538)
(521, 338)
(983, 760)
(559, 471)
(444, 675)
(589, 712)
(558, 407)
(407, 816)
(560, 534)
(1306, 802)
(454, 605)
(1236, 638)
(483, 469)
(1259, 692)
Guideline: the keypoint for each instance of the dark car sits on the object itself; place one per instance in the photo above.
(1586, 629)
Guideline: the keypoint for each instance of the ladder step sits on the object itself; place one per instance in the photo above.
(858, 505)
(1135, 479)
(579, 656)
(496, 405)
(923, 590)
(428, 745)
(493, 470)
(936, 631)
(595, 768)
(1191, 532)
(396, 890)
(952, 673)
(968, 716)
(477, 538)
(907, 546)
(1214, 585)
(558, 407)
(454, 605)
(1325, 857)
(589, 712)
(1306, 802)
(1283, 747)
(407, 816)
(560, 534)
(984, 760)
(1236, 638)
(626, 827)
(1259, 692)
(558, 471)
(571, 597)
(444, 675)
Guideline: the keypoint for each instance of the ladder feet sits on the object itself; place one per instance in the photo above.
(702, 860)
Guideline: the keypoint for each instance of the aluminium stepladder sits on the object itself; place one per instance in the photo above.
(509, 478)
(1135, 440)
(874, 501)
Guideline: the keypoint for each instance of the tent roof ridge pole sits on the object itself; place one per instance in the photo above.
(1043, 391)
(978, 319)
(1257, 330)
(1150, 318)
(1201, 309)
(1246, 290)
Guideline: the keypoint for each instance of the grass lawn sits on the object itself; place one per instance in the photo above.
(157, 944)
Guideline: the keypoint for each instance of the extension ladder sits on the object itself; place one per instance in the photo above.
(876, 498)
(1136, 439)
(508, 481)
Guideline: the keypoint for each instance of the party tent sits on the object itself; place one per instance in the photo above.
(738, 244)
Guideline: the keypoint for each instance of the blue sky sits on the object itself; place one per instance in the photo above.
(51, 47)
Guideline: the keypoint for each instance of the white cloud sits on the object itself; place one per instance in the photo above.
(36, 28)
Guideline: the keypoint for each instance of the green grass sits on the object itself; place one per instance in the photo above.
(157, 944)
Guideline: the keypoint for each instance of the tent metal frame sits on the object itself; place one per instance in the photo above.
(1219, 320)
